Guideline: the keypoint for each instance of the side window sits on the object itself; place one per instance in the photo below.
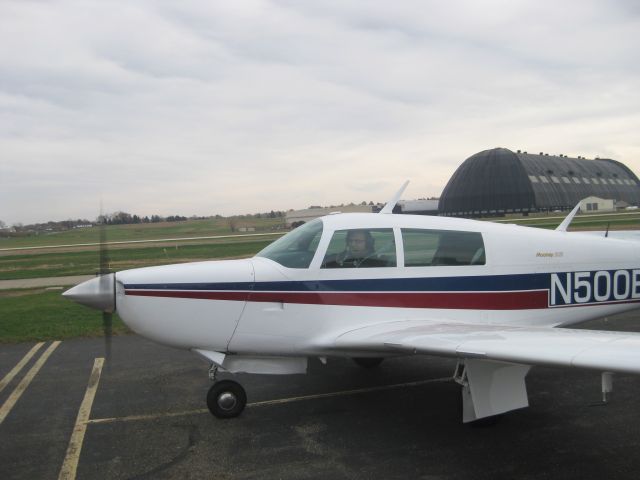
(425, 248)
(419, 246)
(361, 248)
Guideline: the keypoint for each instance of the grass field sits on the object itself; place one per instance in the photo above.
(144, 231)
(38, 315)
(57, 264)
(620, 221)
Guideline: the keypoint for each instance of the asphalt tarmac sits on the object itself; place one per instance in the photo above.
(148, 419)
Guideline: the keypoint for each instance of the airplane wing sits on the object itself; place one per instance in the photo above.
(561, 347)
(496, 358)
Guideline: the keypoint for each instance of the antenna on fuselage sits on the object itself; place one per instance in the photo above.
(388, 208)
(565, 223)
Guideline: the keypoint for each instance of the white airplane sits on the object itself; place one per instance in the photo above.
(370, 286)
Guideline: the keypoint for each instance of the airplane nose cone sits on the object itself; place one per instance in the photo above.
(98, 293)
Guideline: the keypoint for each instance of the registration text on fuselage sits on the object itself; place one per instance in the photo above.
(599, 286)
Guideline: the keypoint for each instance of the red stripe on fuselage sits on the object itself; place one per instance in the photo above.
(235, 296)
(534, 299)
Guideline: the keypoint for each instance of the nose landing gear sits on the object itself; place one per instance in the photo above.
(226, 398)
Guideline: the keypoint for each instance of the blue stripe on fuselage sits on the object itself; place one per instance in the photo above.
(493, 283)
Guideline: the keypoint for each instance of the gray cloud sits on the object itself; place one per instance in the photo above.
(231, 107)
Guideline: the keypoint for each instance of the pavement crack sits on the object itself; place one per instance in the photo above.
(193, 438)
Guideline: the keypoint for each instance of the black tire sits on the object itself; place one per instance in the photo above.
(226, 399)
(368, 362)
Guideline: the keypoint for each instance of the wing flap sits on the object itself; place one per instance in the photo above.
(592, 349)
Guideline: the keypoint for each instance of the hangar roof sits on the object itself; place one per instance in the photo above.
(500, 180)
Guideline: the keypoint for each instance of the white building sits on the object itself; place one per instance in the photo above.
(419, 207)
(597, 204)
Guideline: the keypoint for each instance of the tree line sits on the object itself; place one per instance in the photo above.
(120, 218)
(124, 218)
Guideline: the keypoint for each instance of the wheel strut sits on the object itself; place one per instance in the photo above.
(213, 372)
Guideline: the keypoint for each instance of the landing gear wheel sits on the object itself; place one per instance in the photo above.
(226, 399)
(368, 362)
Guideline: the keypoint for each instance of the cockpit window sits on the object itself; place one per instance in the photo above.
(361, 248)
(296, 248)
(423, 248)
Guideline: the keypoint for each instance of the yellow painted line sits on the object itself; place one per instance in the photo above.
(347, 392)
(22, 386)
(20, 365)
(151, 416)
(70, 464)
(265, 403)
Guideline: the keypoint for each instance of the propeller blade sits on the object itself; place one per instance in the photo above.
(107, 323)
(99, 292)
(104, 251)
(107, 317)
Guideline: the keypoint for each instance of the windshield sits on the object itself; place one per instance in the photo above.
(296, 248)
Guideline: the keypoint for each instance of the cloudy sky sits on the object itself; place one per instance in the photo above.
(205, 107)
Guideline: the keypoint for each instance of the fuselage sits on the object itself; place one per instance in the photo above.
(293, 294)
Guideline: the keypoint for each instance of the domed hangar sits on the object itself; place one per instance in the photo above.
(498, 181)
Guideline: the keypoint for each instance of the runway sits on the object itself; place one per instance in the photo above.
(146, 418)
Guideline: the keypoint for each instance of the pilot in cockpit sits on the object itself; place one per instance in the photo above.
(359, 252)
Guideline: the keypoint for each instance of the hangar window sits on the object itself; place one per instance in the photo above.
(544, 179)
(533, 179)
(633, 182)
(566, 180)
(555, 179)
(595, 180)
(426, 248)
(585, 180)
(576, 179)
(619, 181)
(361, 248)
(296, 248)
(612, 181)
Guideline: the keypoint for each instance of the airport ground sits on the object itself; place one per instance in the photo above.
(147, 419)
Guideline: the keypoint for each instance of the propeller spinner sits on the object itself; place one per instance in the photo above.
(98, 293)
